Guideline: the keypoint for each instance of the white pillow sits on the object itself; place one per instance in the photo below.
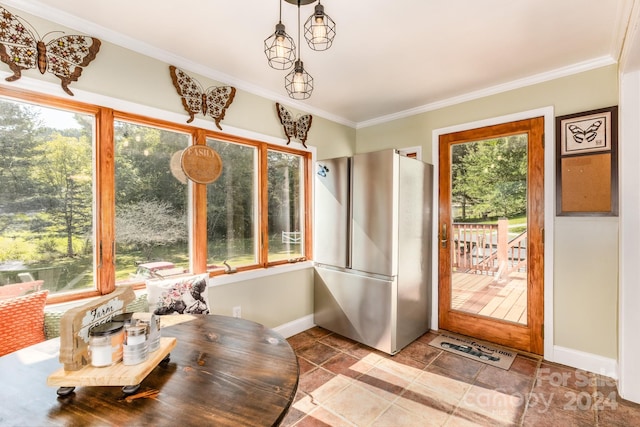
(180, 295)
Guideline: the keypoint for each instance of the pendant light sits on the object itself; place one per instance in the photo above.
(298, 83)
(279, 47)
(319, 30)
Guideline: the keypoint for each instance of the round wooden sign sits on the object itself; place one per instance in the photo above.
(201, 164)
(175, 165)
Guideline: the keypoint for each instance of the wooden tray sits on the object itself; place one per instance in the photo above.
(116, 375)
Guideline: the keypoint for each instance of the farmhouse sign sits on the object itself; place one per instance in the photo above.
(201, 164)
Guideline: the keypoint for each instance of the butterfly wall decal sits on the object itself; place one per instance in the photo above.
(588, 135)
(294, 128)
(213, 102)
(63, 57)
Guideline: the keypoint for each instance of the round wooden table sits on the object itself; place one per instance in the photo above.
(223, 371)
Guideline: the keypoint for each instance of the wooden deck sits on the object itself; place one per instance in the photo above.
(481, 294)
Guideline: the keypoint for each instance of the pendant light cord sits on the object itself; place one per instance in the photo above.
(299, 30)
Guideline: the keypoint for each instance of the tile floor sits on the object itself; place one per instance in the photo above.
(343, 383)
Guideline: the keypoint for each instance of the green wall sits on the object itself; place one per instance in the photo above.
(585, 249)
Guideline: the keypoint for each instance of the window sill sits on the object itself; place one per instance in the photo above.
(241, 276)
(220, 280)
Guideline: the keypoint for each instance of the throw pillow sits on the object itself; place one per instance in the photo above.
(181, 295)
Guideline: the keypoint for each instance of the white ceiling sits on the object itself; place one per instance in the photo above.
(389, 58)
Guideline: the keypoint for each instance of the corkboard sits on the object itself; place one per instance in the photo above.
(587, 163)
(586, 183)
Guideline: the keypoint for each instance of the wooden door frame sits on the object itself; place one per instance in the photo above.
(549, 202)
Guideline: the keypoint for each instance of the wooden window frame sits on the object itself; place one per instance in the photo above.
(104, 196)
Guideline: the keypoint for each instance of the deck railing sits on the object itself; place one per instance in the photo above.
(486, 249)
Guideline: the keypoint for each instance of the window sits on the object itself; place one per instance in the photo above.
(46, 194)
(151, 199)
(232, 207)
(286, 205)
(91, 198)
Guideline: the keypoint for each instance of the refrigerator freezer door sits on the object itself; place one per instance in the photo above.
(331, 209)
(374, 222)
(355, 306)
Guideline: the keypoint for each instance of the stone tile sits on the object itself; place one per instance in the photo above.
(618, 412)
(396, 416)
(461, 365)
(450, 388)
(314, 379)
(383, 383)
(417, 397)
(357, 405)
(338, 342)
(463, 417)
(343, 383)
(562, 402)
(428, 337)
(426, 404)
(325, 392)
(292, 417)
(317, 332)
(421, 352)
(346, 365)
(524, 366)
(317, 353)
(396, 366)
(495, 405)
(360, 351)
(305, 366)
(553, 416)
(323, 418)
(504, 381)
(564, 376)
(303, 339)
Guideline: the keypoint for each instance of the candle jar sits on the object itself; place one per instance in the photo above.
(105, 344)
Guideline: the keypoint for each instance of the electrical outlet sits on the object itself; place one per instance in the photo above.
(237, 311)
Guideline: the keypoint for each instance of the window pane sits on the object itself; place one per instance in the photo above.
(46, 193)
(286, 201)
(231, 207)
(151, 201)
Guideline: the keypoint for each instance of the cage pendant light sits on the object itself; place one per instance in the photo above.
(319, 29)
(298, 83)
(279, 47)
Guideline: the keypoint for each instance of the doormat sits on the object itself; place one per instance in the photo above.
(471, 348)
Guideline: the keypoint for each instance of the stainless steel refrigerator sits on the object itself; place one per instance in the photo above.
(372, 216)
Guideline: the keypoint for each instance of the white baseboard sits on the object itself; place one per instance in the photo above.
(295, 326)
(586, 361)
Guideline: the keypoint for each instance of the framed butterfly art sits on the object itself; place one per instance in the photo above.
(297, 128)
(64, 57)
(212, 102)
(587, 163)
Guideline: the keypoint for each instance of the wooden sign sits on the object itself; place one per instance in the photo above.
(201, 164)
(76, 323)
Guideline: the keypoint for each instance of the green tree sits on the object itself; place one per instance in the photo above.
(64, 174)
(20, 134)
(230, 202)
(490, 177)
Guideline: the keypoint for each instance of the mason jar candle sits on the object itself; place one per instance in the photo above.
(105, 344)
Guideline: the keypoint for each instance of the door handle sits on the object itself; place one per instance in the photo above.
(443, 236)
